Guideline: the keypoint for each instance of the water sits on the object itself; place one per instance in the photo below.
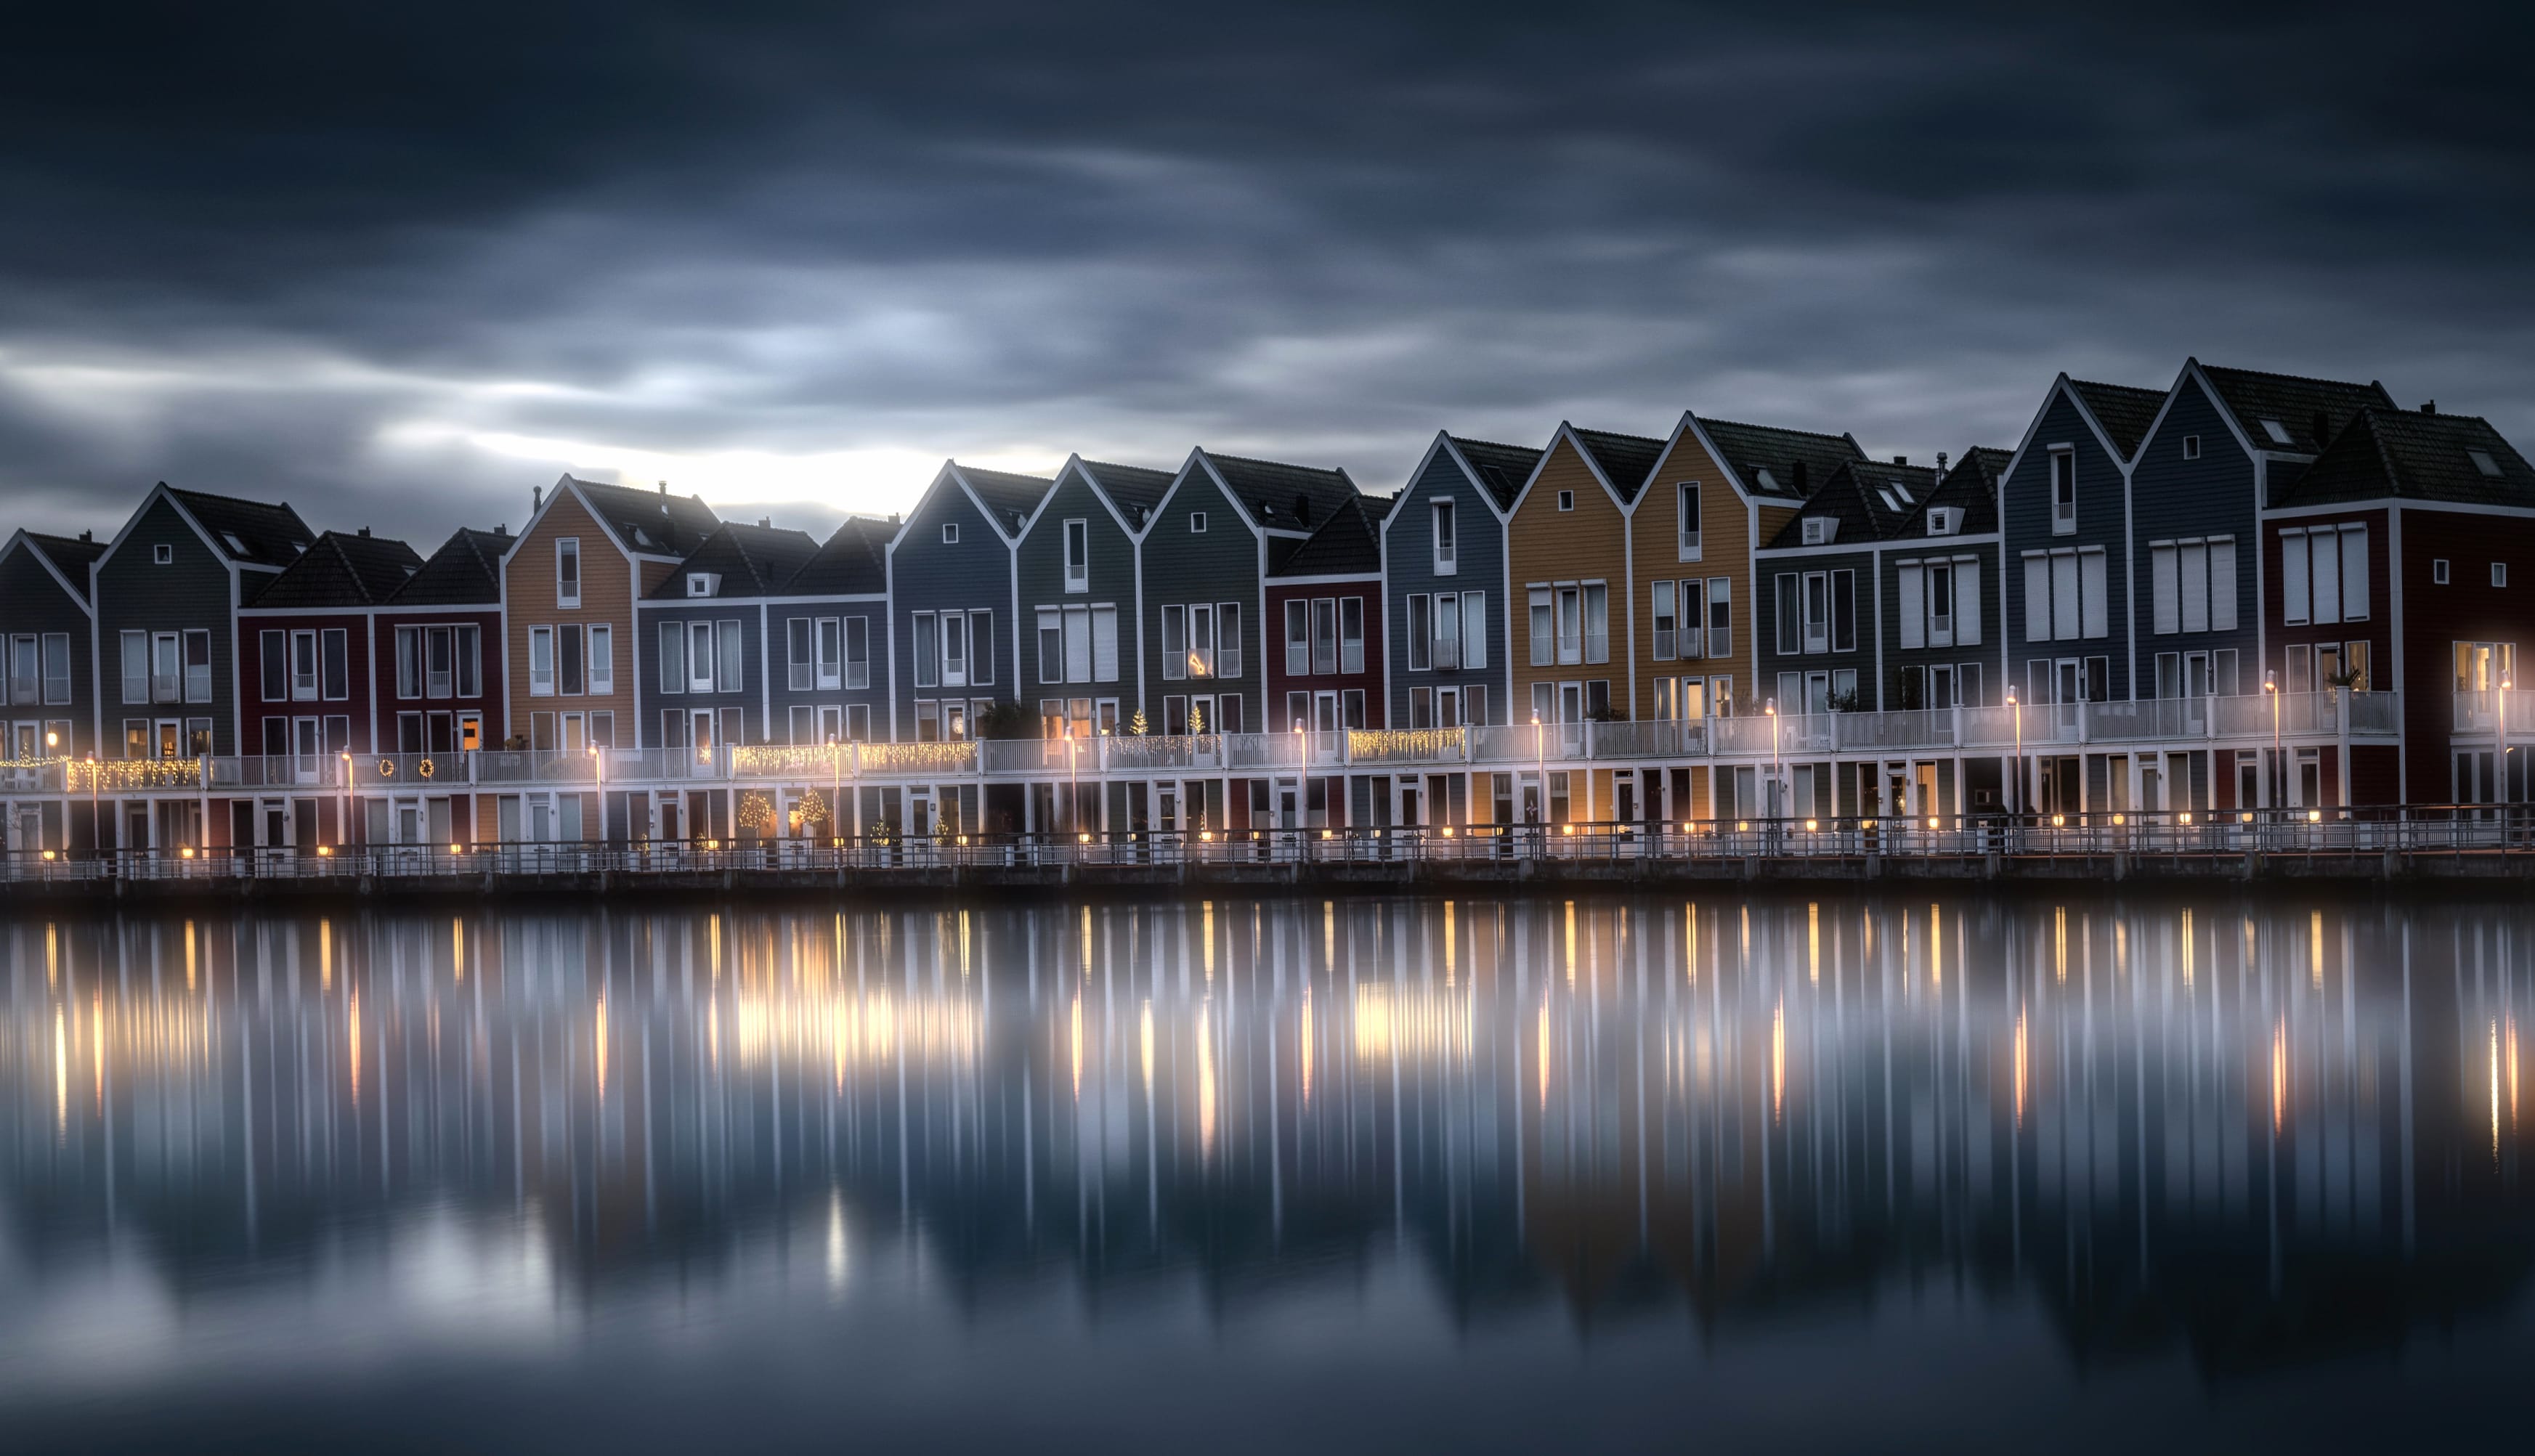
(1253, 1175)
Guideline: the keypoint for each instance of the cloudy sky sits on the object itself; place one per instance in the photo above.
(398, 265)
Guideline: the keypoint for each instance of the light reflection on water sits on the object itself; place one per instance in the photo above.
(1246, 1171)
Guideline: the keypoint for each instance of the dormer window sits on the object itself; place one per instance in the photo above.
(1197, 522)
(1818, 529)
(2278, 432)
(162, 555)
(1941, 521)
(949, 533)
(703, 583)
(2483, 462)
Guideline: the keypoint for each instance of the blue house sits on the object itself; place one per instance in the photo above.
(1446, 538)
(955, 600)
(2064, 513)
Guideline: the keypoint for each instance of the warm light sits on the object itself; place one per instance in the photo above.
(48, 854)
(188, 851)
(1325, 834)
(2059, 820)
(1811, 825)
(1083, 839)
(2315, 816)
(704, 756)
(2244, 819)
(2117, 819)
(2011, 697)
(453, 849)
(1932, 823)
(52, 740)
(1741, 825)
(1205, 834)
(964, 840)
(1447, 832)
(1566, 828)
(2187, 819)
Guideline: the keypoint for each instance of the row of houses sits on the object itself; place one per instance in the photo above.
(2234, 533)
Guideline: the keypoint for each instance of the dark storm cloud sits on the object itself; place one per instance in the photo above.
(399, 266)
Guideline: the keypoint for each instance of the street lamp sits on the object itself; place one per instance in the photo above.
(1777, 768)
(2015, 804)
(95, 827)
(2271, 689)
(343, 831)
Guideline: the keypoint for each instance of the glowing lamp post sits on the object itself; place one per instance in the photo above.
(2015, 804)
(2279, 770)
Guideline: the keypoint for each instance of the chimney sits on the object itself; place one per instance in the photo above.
(87, 536)
(664, 487)
(766, 522)
(2430, 406)
(1901, 459)
(1800, 477)
(1941, 463)
(2323, 429)
(365, 534)
(536, 499)
(1303, 510)
(503, 529)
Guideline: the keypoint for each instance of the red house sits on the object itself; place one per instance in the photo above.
(305, 649)
(2403, 559)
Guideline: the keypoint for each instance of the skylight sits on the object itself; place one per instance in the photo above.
(1890, 503)
(236, 545)
(2278, 432)
(1901, 489)
(1765, 479)
(2483, 462)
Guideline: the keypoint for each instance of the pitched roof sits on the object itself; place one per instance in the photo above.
(853, 562)
(648, 523)
(2124, 411)
(467, 571)
(747, 561)
(1133, 489)
(1767, 457)
(1283, 497)
(1870, 500)
(1344, 545)
(1622, 460)
(70, 556)
(341, 568)
(2294, 404)
(1970, 487)
(2398, 454)
(249, 532)
(1502, 468)
(1010, 498)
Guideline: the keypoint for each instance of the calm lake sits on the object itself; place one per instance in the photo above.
(1261, 1174)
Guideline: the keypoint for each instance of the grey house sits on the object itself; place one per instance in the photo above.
(828, 631)
(1077, 562)
(2065, 521)
(48, 677)
(1447, 535)
(954, 599)
(1819, 646)
(1937, 597)
(701, 639)
(2227, 442)
(167, 595)
(1206, 557)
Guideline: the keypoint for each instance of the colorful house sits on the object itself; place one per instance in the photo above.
(954, 600)
(48, 682)
(1076, 565)
(828, 627)
(569, 584)
(436, 690)
(1446, 587)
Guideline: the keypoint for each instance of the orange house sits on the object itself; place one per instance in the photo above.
(1567, 569)
(1719, 490)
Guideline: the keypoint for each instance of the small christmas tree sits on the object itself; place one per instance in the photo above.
(1137, 725)
(1196, 719)
(756, 814)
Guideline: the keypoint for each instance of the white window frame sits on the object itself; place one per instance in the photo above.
(1077, 555)
(2063, 513)
(568, 549)
(1443, 516)
(1690, 539)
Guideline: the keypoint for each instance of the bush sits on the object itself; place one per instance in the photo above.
(1008, 720)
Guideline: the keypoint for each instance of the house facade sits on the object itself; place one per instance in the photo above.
(48, 682)
(1077, 566)
(2065, 521)
(1446, 589)
(308, 653)
(953, 597)
(828, 627)
(570, 582)
(705, 643)
(1568, 559)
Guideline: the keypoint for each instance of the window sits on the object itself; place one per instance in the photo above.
(162, 555)
(1816, 612)
(954, 650)
(1051, 644)
(673, 659)
(273, 647)
(1720, 618)
(1667, 622)
(1175, 642)
(1943, 520)
(1077, 556)
(1571, 626)
(166, 668)
(335, 664)
(730, 657)
(1077, 645)
(1819, 529)
(1351, 709)
(198, 665)
(471, 660)
(1447, 631)
(1298, 642)
(2439, 572)
(982, 649)
(2325, 575)
(1421, 708)
(798, 673)
(1228, 655)
(409, 662)
(2278, 432)
(702, 584)
(2483, 462)
(2065, 595)
(571, 668)
(858, 652)
(1325, 634)
(949, 533)
(2500, 574)
(1686, 507)
(541, 663)
(135, 667)
(2192, 447)
(1543, 634)
(1567, 499)
(1446, 544)
(1197, 522)
(927, 642)
(438, 672)
(57, 672)
(1351, 631)
(303, 667)
(1104, 645)
(568, 572)
(2063, 491)
(1597, 622)
(1790, 630)
(828, 645)
(1843, 611)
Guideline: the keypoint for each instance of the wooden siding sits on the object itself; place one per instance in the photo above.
(754, 679)
(193, 590)
(780, 695)
(1479, 565)
(1548, 545)
(33, 603)
(2171, 498)
(1367, 590)
(1221, 564)
(1111, 584)
(607, 585)
(974, 574)
(492, 679)
(2026, 520)
(1726, 546)
(2468, 609)
(254, 707)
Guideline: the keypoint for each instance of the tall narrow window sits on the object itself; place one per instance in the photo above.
(1104, 645)
(1720, 622)
(1940, 605)
(1474, 630)
(1843, 611)
(699, 656)
(1421, 633)
(57, 672)
(1688, 507)
(272, 661)
(1816, 612)
(1783, 606)
(409, 662)
(335, 664)
(2094, 596)
(1077, 644)
(2192, 562)
(1298, 636)
(1967, 603)
(1597, 622)
(954, 650)
(471, 661)
(798, 671)
(541, 663)
(303, 667)
(1910, 594)
(858, 652)
(1352, 633)
(2324, 573)
(981, 649)
(2354, 574)
(1544, 636)
(1051, 644)
(673, 659)
(1667, 623)
(926, 643)
(570, 667)
(1077, 556)
(730, 657)
(1571, 626)
(1446, 544)
(439, 660)
(198, 665)
(1228, 628)
(1447, 631)
(2293, 577)
(2063, 491)
(1175, 664)
(568, 572)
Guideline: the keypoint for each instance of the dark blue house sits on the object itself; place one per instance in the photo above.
(2065, 505)
(1445, 537)
(701, 639)
(1078, 573)
(953, 601)
(827, 676)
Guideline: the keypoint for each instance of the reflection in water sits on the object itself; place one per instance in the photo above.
(289, 1150)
